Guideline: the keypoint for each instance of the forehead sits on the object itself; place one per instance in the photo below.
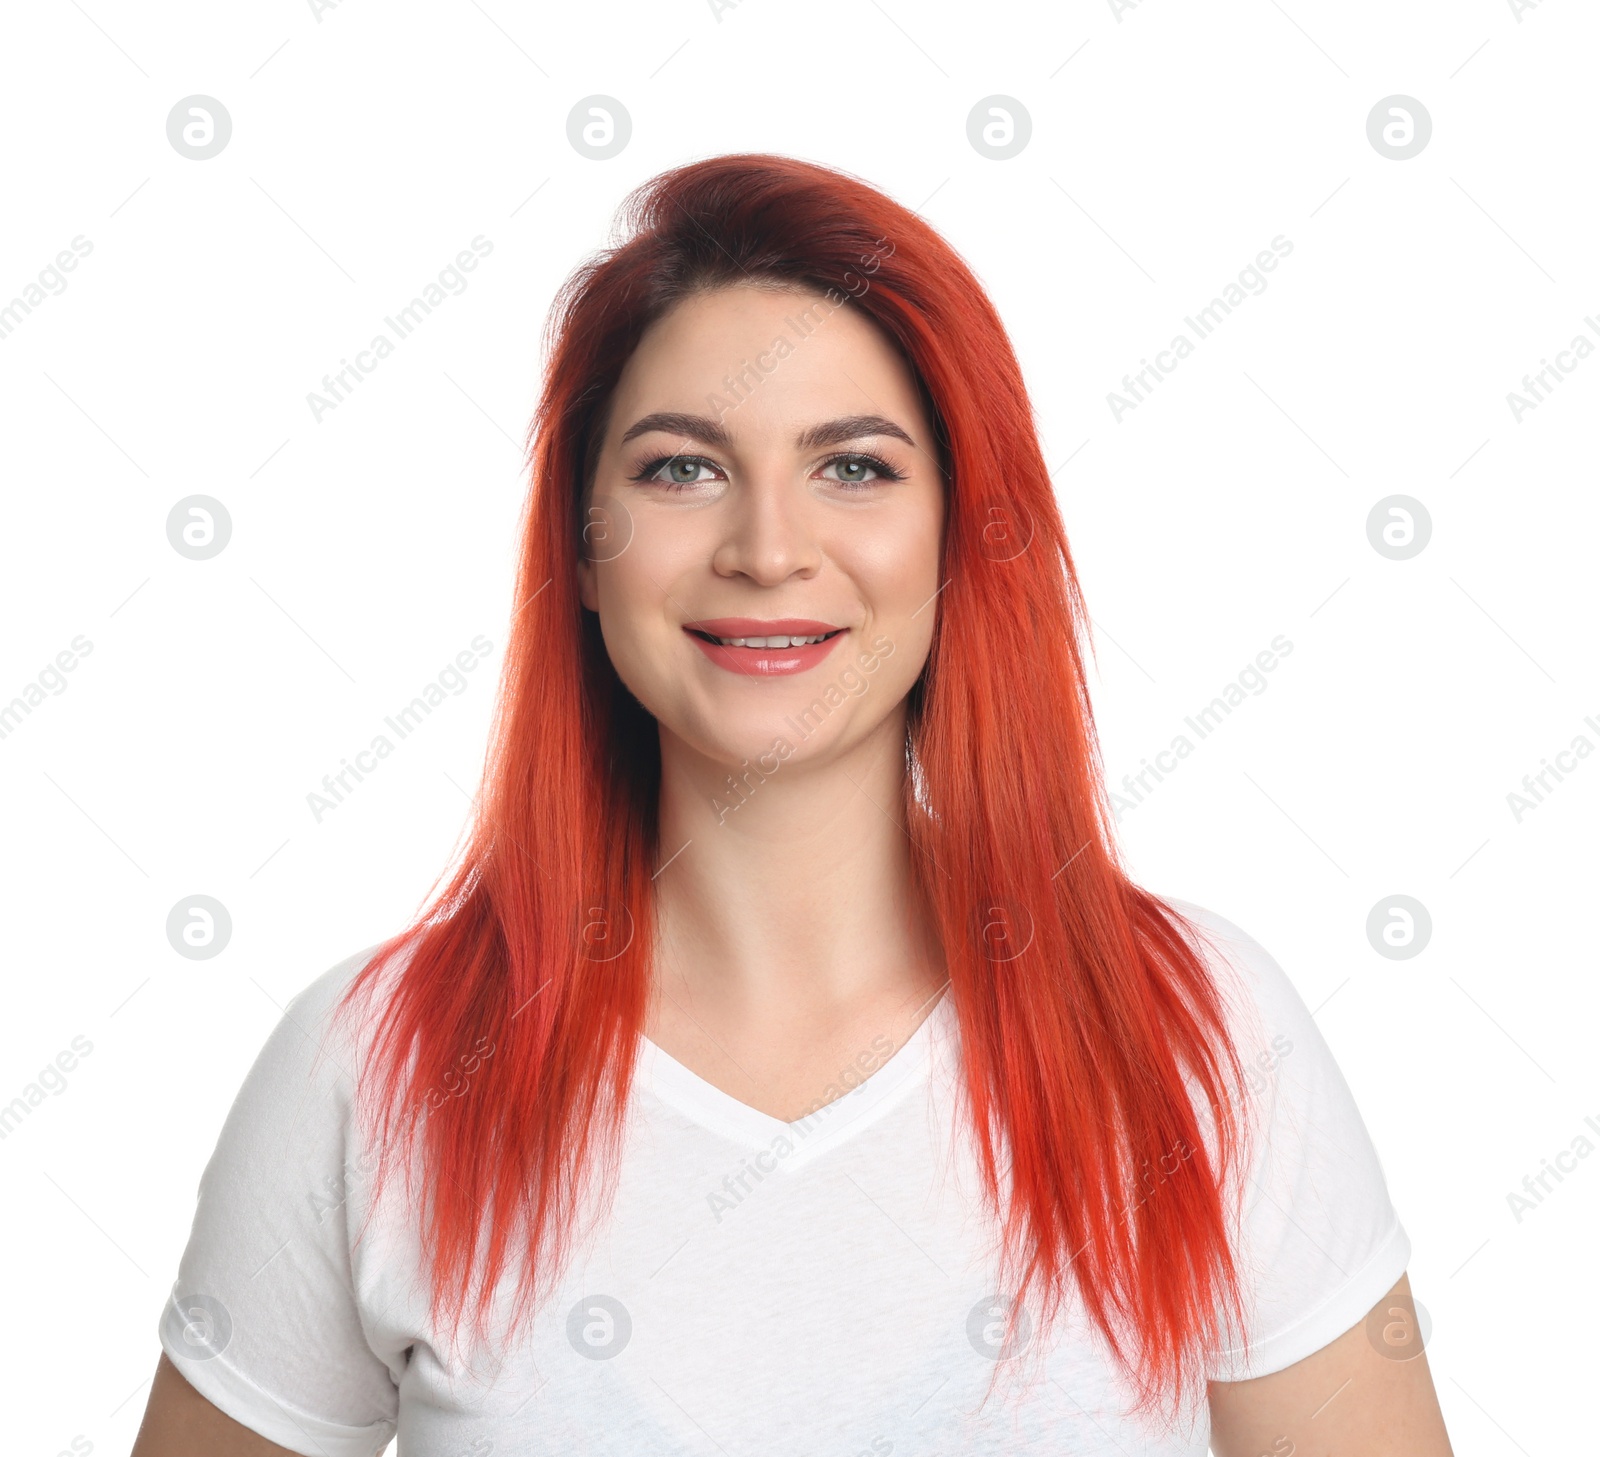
(760, 357)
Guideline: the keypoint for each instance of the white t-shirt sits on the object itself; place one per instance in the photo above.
(824, 1288)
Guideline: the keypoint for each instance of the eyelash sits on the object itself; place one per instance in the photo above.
(885, 471)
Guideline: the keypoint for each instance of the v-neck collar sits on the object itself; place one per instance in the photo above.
(712, 1108)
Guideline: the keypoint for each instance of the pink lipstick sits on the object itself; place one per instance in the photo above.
(764, 647)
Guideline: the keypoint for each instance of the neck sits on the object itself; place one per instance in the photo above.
(792, 888)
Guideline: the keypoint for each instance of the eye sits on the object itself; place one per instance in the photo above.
(676, 471)
(858, 470)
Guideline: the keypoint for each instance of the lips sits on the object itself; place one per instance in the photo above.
(757, 647)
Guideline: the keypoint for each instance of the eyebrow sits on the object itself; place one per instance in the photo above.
(712, 432)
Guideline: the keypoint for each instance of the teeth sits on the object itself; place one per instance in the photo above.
(768, 642)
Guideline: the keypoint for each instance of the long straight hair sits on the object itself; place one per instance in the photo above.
(1095, 1043)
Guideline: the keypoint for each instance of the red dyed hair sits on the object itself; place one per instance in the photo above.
(1094, 1040)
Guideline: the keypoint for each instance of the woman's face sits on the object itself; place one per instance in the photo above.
(767, 472)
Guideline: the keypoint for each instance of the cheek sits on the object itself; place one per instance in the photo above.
(627, 575)
(897, 574)
(897, 568)
(636, 591)
(629, 614)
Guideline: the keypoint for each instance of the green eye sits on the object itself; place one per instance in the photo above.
(858, 470)
(684, 471)
(677, 471)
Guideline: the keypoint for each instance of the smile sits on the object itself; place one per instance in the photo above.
(765, 642)
(758, 649)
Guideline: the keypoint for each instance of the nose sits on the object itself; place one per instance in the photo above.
(769, 533)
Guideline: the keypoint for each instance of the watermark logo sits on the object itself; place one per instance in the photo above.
(199, 927)
(599, 127)
(1004, 928)
(1397, 1334)
(1399, 127)
(607, 529)
(604, 932)
(1399, 927)
(999, 127)
(1399, 527)
(1007, 531)
(199, 127)
(199, 527)
(598, 1327)
(197, 1327)
(998, 1328)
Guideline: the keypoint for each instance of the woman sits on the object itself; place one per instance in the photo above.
(789, 1065)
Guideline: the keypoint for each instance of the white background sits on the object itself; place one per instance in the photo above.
(1170, 144)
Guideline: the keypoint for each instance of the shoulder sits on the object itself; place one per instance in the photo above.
(274, 1261)
(300, 1088)
(1296, 1103)
(1264, 1005)
(1319, 1241)
(322, 1020)
(292, 1141)
(317, 1001)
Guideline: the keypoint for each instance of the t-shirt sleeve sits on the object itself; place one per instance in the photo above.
(1318, 1241)
(264, 1318)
